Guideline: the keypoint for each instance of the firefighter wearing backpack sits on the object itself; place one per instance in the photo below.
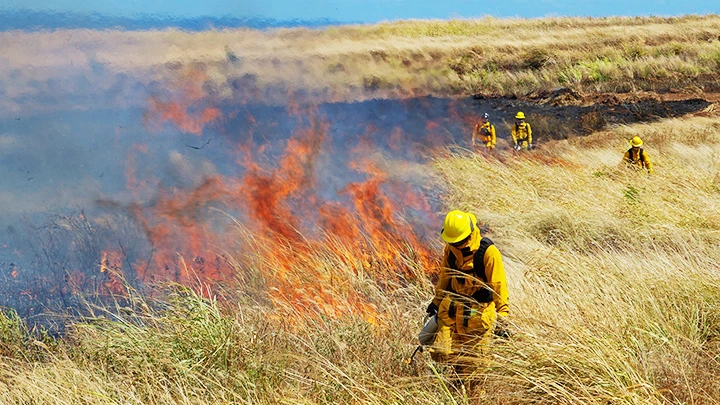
(637, 157)
(471, 296)
(521, 133)
(484, 134)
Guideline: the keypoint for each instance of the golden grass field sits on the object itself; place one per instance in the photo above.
(614, 275)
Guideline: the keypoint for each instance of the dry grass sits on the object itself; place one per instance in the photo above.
(616, 272)
(614, 289)
(494, 57)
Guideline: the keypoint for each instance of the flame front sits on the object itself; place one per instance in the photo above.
(304, 243)
(298, 207)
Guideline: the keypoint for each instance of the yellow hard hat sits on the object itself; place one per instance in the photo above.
(520, 115)
(458, 225)
(636, 142)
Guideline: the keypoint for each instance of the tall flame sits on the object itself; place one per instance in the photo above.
(304, 242)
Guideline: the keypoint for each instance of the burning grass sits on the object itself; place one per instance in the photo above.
(614, 293)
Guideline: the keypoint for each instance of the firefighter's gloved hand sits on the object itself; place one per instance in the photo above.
(432, 308)
(502, 333)
(501, 329)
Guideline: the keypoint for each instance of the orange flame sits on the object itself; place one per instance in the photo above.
(184, 110)
(111, 266)
(304, 244)
(180, 115)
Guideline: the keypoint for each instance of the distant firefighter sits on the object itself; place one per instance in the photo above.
(522, 133)
(636, 156)
(484, 134)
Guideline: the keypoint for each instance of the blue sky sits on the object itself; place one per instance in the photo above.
(365, 10)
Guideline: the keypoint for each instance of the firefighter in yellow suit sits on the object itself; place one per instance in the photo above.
(521, 133)
(484, 134)
(637, 157)
(471, 296)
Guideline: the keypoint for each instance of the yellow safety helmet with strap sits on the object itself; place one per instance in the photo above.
(458, 225)
(520, 115)
(636, 142)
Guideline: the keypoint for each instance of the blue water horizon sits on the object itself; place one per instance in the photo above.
(33, 19)
(30, 20)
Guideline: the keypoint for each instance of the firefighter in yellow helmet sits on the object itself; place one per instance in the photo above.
(521, 133)
(471, 296)
(484, 134)
(636, 156)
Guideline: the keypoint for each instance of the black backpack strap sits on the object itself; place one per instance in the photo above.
(479, 259)
(453, 261)
(455, 264)
(641, 156)
(483, 294)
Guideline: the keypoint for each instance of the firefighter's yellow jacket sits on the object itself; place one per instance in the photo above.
(521, 133)
(458, 278)
(485, 134)
(638, 157)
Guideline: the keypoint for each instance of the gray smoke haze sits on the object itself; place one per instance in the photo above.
(84, 69)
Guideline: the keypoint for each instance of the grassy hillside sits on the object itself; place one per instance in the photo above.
(614, 279)
(492, 57)
(519, 57)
